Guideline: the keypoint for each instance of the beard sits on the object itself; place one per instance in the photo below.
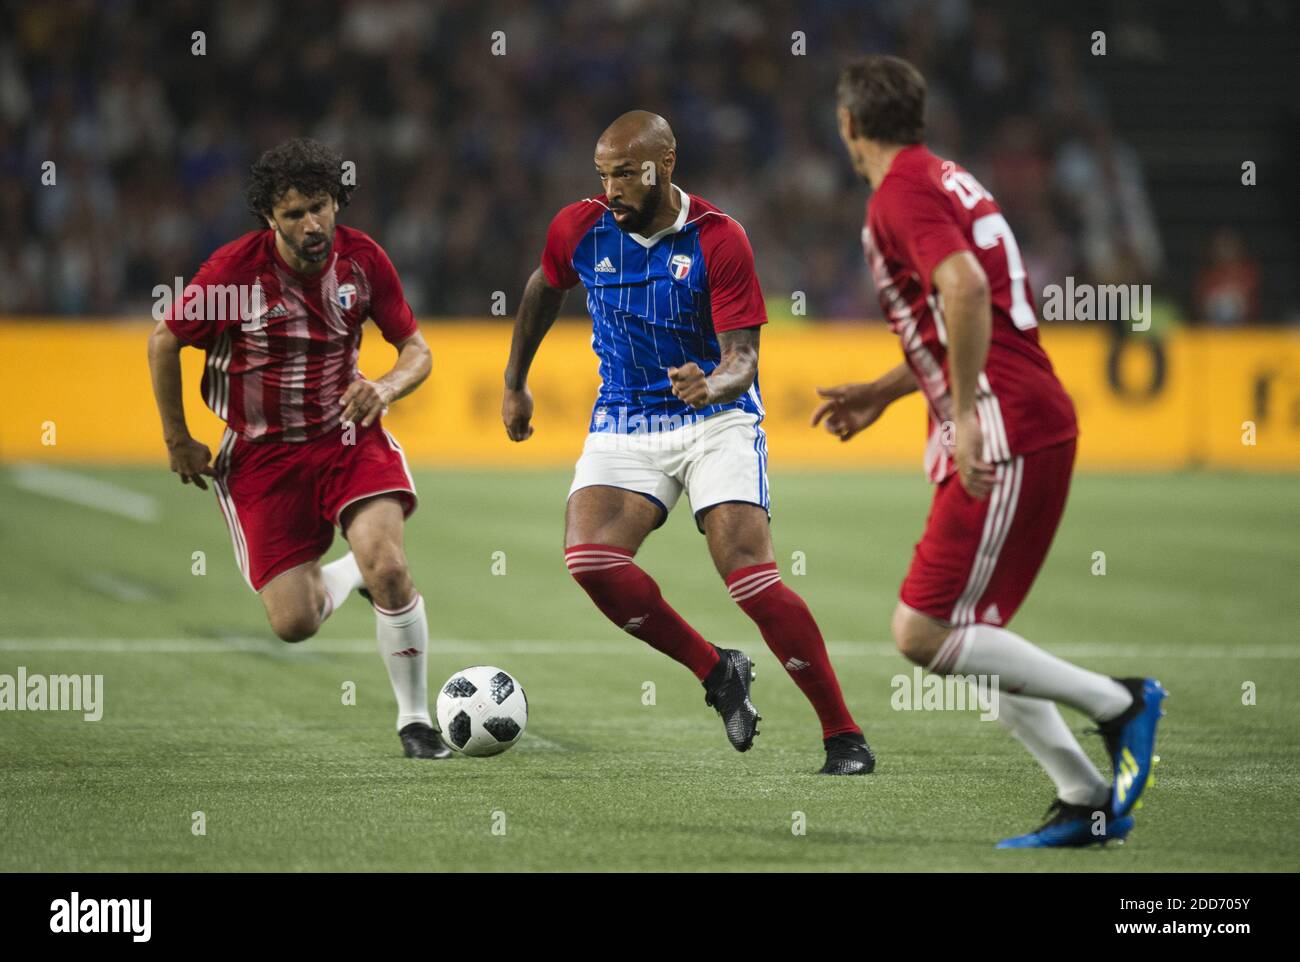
(315, 257)
(641, 217)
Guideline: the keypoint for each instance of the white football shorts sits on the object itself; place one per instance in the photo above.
(722, 458)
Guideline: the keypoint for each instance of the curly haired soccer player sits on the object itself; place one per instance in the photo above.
(676, 310)
(279, 313)
(1001, 451)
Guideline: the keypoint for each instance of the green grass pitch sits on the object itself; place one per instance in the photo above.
(206, 712)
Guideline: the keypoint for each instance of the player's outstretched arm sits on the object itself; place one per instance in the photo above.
(850, 408)
(367, 400)
(189, 458)
(732, 377)
(969, 314)
(537, 312)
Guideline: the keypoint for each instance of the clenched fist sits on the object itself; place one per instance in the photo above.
(690, 385)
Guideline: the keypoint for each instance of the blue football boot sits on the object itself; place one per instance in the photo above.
(1073, 826)
(1131, 741)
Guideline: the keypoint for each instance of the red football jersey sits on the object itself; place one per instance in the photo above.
(279, 361)
(925, 209)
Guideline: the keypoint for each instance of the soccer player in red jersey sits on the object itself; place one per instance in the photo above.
(676, 311)
(279, 314)
(1000, 451)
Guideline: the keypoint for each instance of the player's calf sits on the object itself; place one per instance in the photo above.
(740, 543)
(631, 599)
(374, 529)
(402, 634)
(791, 632)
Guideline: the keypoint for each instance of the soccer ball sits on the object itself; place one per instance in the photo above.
(482, 711)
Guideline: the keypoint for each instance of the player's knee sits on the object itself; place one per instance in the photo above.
(383, 566)
(917, 637)
(913, 647)
(388, 578)
(294, 627)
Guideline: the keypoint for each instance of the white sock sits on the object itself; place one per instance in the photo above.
(403, 639)
(341, 578)
(1040, 728)
(1025, 669)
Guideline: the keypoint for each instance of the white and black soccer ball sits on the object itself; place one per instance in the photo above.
(482, 711)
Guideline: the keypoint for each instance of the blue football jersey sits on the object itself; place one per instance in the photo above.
(656, 302)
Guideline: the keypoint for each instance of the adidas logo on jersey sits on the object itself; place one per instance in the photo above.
(796, 664)
(992, 615)
(606, 267)
(257, 321)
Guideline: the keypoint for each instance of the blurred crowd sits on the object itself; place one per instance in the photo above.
(471, 122)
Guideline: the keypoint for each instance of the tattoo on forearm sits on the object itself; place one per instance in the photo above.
(734, 375)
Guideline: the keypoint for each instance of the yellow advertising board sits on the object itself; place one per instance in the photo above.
(79, 391)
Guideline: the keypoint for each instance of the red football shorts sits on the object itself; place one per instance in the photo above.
(977, 559)
(282, 499)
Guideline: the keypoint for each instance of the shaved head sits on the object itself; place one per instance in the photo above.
(638, 133)
(635, 157)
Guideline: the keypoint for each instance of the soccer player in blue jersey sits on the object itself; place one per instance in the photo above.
(676, 310)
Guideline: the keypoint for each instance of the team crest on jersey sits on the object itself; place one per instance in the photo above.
(347, 296)
(680, 266)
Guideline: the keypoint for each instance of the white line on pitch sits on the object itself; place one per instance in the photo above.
(84, 490)
(121, 589)
(614, 646)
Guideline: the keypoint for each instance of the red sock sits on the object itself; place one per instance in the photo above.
(790, 631)
(630, 598)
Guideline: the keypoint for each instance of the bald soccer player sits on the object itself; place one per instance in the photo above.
(676, 310)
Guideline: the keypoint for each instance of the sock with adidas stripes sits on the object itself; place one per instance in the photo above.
(1025, 669)
(403, 636)
(630, 598)
(790, 631)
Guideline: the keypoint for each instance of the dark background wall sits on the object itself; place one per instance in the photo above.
(1123, 167)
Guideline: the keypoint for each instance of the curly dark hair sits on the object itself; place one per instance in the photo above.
(307, 166)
